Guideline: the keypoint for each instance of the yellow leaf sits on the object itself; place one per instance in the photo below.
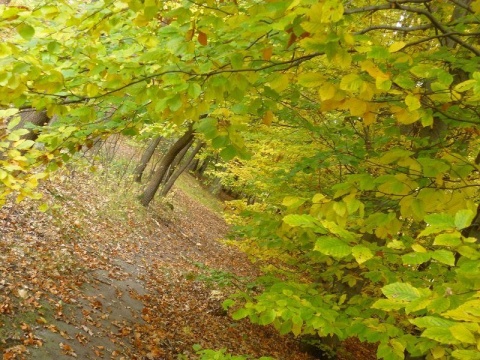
(268, 118)
(327, 91)
(396, 46)
(476, 6)
(407, 117)
(438, 352)
(413, 102)
(418, 248)
(369, 118)
(189, 34)
(356, 107)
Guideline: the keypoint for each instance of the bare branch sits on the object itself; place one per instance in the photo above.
(395, 28)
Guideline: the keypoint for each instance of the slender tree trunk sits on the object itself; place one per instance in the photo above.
(157, 177)
(146, 156)
(204, 166)
(193, 167)
(175, 162)
(180, 170)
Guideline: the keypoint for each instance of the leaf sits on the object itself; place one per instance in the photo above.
(332, 246)
(465, 85)
(461, 333)
(26, 31)
(267, 317)
(431, 321)
(267, 53)
(268, 118)
(466, 354)
(449, 239)
(202, 38)
(294, 220)
(440, 220)
(440, 334)
(327, 91)
(396, 46)
(401, 291)
(463, 218)
(228, 153)
(361, 253)
(388, 304)
(444, 256)
(412, 102)
(415, 258)
(240, 314)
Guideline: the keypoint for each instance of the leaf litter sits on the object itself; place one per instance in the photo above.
(98, 276)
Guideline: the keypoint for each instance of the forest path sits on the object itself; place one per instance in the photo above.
(99, 277)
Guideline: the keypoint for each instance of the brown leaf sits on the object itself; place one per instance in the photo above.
(202, 38)
(267, 53)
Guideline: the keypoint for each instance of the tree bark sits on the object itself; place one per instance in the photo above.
(146, 156)
(175, 162)
(157, 177)
(34, 117)
(180, 170)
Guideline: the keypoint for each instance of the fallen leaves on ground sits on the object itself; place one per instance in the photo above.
(98, 276)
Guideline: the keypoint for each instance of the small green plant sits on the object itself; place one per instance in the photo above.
(209, 354)
(214, 277)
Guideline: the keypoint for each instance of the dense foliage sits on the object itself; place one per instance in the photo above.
(354, 124)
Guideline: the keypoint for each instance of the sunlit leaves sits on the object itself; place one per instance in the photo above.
(333, 246)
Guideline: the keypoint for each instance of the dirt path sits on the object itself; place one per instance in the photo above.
(98, 276)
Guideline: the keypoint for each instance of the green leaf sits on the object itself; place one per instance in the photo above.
(444, 256)
(228, 303)
(461, 333)
(26, 31)
(228, 153)
(463, 218)
(449, 239)
(306, 221)
(267, 317)
(240, 314)
(440, 334)
(416, 258)
(466, 354)
(388, 304)
(194, 90)
(401, 291)
(286, 327)
(440, 220)
(332, 246)
(433, 167)
(361, 253)
(431, 321)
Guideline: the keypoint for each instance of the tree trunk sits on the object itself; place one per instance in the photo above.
(204, 166)
(146, 156)
(175, 162)
(157, 177)
(34, 117)
(180, 170)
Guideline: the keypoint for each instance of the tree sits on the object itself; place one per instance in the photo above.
(387, 94)
(146, 156)
(166, 161)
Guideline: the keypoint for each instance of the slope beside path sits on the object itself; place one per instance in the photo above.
(98, 276)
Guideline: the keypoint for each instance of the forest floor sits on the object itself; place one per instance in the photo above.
(97, 276)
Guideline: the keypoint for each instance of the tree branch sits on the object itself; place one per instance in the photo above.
(395, 28)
